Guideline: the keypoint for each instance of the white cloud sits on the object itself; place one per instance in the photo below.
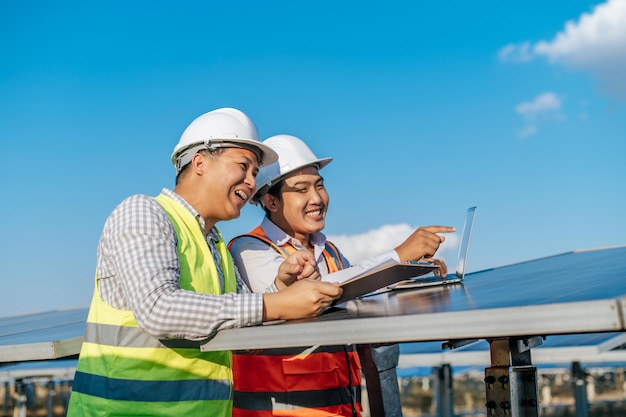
(528, 130)
(374, 242)
(544, 107)
(596, 36)
(543, 103)
(596, 43)
(516, 53)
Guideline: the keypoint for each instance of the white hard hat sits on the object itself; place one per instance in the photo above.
(225, 127)
(293, 154)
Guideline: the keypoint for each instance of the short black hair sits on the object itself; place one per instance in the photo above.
(211, 153)
(274, 190)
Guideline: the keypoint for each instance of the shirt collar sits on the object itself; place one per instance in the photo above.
(279, 237)
(213, 233)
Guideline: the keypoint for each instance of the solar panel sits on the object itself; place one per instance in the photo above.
(570, 293)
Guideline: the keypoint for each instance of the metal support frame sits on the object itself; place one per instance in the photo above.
(50, 398)
(20, 406)
(511, 381)
(580, 390)
(372, 381)
(7, 397)
(444, 399)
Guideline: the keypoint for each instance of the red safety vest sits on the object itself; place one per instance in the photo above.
(314, 382)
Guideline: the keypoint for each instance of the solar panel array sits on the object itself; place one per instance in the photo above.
(508, 300)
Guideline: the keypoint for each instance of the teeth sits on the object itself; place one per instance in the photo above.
(314, 213)
(241, 195)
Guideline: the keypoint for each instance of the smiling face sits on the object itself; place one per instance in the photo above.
(301, 208)
(230, 182)
(219, 184)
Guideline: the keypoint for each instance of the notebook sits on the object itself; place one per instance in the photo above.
(459, 275)
(408, 274)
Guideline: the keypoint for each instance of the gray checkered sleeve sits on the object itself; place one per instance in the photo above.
(138, 270)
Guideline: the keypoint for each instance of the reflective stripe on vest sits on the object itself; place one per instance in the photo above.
(321, 381)
(123, 371)
(304, 403)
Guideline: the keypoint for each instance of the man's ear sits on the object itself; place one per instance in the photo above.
(199, 163)
(270, 203)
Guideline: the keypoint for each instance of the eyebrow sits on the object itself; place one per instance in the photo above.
(246, 157)
(303, 182)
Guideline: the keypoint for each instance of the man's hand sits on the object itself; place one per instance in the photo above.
(443, 268)
(423, 243)
(298, 266)
(304, 298)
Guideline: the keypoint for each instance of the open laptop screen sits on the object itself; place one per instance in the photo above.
(465, 241)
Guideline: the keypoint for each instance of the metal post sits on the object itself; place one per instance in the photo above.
(66, 389)
(51, 394)
(444, 401)
(7, 397)
(20, 406)
(511, 382)
(372, 380)
(580, 390)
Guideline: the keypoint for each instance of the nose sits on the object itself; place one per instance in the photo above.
(315, 196)
(250, 180)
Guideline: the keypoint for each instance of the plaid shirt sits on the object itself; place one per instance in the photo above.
(138, 270)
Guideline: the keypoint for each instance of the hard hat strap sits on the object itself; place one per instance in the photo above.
(211, 145)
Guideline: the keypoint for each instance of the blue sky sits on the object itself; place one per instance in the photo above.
(428, 108)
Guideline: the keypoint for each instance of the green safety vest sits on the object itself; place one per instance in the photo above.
(123, 371)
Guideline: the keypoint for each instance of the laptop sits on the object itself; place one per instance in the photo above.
(407, 274)
(459, 275)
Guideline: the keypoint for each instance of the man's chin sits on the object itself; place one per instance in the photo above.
(233, 215)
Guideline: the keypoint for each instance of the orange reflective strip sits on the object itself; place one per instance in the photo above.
(331, 253)
(332, 257)
(339, 411)
(338, 401)
(330, 263)
(336, 411)
(260, 234)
